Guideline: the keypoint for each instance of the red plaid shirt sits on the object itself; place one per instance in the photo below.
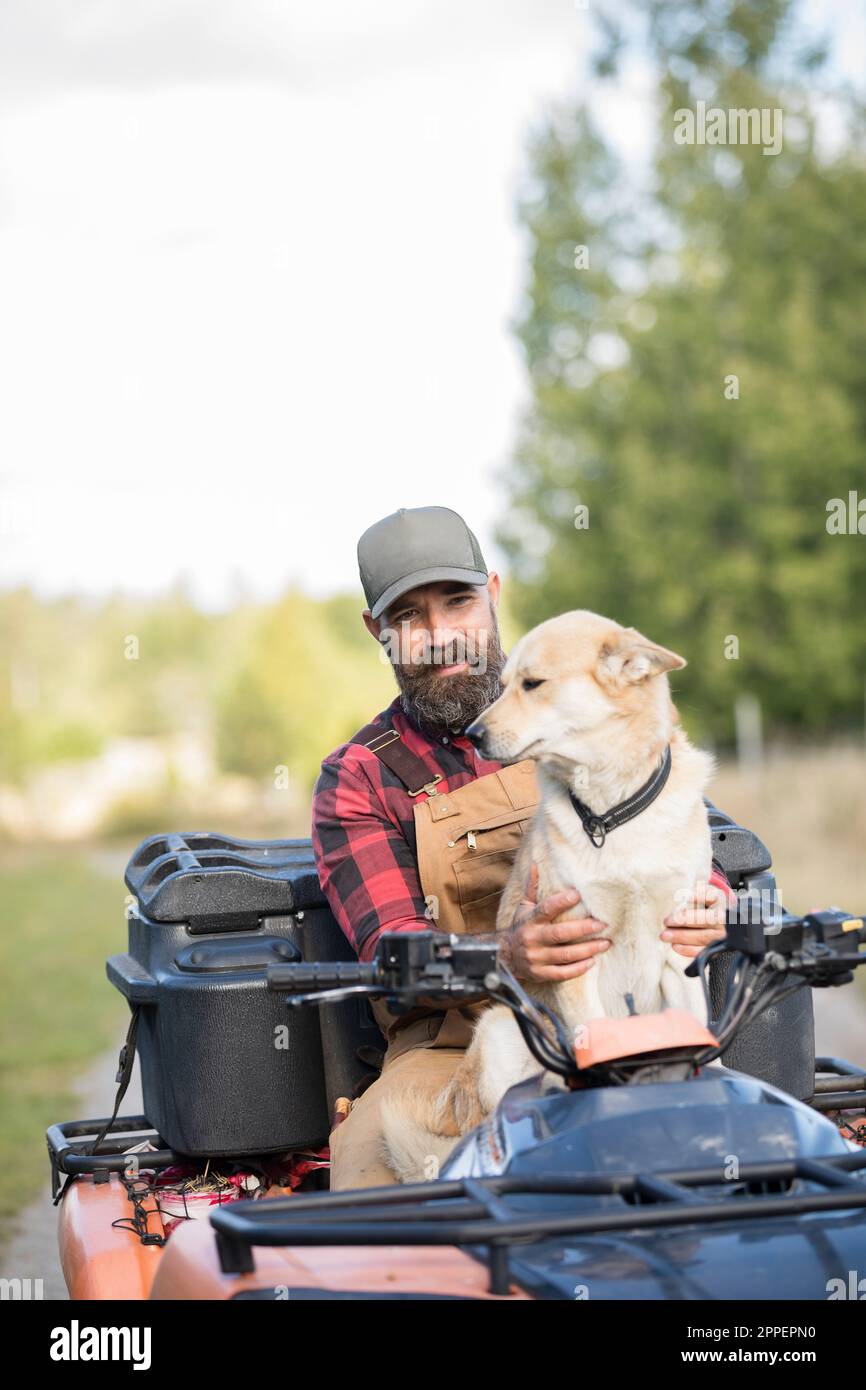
(363, 830)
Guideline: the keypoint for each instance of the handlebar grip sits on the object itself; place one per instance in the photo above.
(313, 975)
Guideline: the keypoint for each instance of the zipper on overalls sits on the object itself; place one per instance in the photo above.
(470, 839)
(493, 824)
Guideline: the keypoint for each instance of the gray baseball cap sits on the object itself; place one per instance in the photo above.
(416, 545)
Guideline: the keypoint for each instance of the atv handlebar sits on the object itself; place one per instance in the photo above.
(407, 965)
(316, 975)
(774, 954)
(423, 967)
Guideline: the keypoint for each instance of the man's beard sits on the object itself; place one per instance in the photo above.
(448, 704)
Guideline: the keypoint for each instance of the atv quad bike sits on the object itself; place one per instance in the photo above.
(658, 1159)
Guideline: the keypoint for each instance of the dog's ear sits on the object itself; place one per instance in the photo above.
(633, 658)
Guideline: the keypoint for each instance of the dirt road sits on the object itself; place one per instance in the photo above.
(32, 1251)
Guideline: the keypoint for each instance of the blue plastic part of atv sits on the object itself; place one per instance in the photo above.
(720, 1120)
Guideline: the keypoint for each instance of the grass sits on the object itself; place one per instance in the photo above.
(809, 808)
(59, 919)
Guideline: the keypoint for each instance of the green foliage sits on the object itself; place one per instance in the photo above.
(309, 679)
(67, 679)
(275, 685)
(707, 515)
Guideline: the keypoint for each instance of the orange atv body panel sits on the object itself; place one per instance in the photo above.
(100, 1260)
(605, 1039)
(190, 1269)
(103, 1261)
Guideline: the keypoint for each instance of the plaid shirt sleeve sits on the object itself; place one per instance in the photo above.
(366, 866)
(718, 878)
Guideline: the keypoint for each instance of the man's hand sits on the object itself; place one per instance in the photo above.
(700, 922)
(535, 947)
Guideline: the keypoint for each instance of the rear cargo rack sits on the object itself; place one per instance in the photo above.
(70, 1145)
(838, 1085)
(477, 1212)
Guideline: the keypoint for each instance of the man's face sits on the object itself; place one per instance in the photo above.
(443, 641)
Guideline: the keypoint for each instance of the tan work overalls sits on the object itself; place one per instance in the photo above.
(466, 843)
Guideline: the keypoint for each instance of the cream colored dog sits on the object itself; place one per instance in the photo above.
(588, 701)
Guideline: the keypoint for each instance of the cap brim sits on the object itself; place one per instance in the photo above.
(428, 576)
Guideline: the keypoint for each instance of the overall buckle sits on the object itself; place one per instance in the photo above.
(427, 787)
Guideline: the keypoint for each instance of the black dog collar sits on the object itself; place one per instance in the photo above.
(597, 827)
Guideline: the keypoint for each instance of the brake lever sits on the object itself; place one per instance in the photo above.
(331, 996)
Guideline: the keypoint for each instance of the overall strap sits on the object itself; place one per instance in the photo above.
(390, 749)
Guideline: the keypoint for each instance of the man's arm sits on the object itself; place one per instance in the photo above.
(366, 867)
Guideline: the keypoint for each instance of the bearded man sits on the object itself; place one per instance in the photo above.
(413, 829)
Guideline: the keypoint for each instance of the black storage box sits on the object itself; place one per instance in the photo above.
(227, 1067)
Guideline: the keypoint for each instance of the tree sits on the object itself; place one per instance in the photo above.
(306, 683)
(700, 385)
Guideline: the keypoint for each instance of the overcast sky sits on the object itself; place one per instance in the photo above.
(258, 260)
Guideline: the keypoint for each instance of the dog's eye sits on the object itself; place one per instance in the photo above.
(528, 684)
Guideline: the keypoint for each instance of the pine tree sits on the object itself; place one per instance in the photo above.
(700, 385)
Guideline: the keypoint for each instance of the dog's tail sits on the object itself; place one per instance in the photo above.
(410, 1147)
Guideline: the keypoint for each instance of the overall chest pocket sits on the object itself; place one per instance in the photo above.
(482, 868)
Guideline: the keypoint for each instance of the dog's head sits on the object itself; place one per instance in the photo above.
(570, 684)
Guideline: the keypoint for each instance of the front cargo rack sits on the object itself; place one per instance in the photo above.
(479, 1214)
